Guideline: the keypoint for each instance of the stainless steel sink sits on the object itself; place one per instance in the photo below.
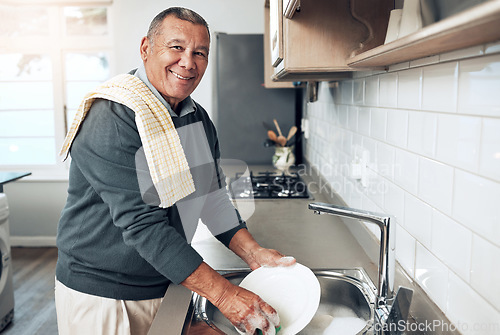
(346, 294)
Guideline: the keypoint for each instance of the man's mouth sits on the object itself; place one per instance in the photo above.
(179, 76)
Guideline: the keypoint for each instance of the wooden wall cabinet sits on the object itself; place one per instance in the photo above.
(328, 39)
(268, 67)
(318, 39)
(477, 25)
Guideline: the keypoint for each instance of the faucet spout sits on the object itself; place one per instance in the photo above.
(386, 264)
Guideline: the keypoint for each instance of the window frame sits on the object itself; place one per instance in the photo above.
(56, 45)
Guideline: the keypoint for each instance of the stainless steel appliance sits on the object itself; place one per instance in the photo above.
(268, 185)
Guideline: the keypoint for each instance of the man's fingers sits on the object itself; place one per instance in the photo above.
(286, 261)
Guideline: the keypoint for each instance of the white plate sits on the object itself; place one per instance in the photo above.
(293, 291)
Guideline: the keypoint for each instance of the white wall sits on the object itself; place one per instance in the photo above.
(432, 129)
(35, 206)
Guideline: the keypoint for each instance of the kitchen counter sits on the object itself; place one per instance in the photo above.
(7, 177)
(287, 225)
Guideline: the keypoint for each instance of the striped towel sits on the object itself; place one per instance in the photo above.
(164, 154)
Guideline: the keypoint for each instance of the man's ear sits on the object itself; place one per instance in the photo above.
(145, 48)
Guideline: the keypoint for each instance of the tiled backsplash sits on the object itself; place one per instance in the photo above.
(432, 131)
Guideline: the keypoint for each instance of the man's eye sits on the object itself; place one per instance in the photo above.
(201, 54)
(176, 47)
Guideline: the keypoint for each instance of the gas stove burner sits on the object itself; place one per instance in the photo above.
(268, 185)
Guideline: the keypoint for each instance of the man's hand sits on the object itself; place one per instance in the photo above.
(269, 258)
(244, 245)
(244, 309)
(247, 311)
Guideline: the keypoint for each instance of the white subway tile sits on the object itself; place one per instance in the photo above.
(373, 230)
(385, 160)
(394, 202)
(346, 142)
(431, 275)
(346, 89)
(343, 115)
(399, 66)
(371, 91)
(370, 205)
(485, 270)
(336, 93)
(335, 137)
(492, 48)
(489, 159)
(479, 84)
(352, 122)
(397, 127)
(405, 250)
(470, 313)
(358, 92)
(364, 120)
(357, 139)
(360, 74)
(439, 87)
(458, 141)
(476, 204)
(452, 244)
(369, 145)
(406, 170)
(422, 131)
(388, 93)
(425, 61)
(474, 51)
(356, 196)
(378, 123)
(376, 188)
(436, 184)
(418, 219)
(409, 88)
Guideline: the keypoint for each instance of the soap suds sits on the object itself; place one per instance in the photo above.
(336, 320)
(345, 325)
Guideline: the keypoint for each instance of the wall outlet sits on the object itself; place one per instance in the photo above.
(304, 125)
(359, 166)
(356, 170)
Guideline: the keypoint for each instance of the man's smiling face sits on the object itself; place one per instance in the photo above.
(176, 59)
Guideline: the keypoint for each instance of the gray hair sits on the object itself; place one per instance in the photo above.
(180, 13)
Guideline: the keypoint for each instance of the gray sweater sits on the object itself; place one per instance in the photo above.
(113, 239)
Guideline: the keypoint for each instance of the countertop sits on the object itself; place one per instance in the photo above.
(287, 225)
(7, 177)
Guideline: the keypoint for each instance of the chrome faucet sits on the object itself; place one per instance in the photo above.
(386, 265)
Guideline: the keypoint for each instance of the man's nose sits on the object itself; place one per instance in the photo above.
(187, 60)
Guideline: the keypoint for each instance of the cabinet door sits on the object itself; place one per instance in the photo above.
(276, 31)
(268, 68)
(320, 38)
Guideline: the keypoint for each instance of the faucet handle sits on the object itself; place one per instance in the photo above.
(400, 310)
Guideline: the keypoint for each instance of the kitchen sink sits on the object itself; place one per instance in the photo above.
(348, 301)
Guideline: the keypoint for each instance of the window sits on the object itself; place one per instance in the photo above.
(50, 57)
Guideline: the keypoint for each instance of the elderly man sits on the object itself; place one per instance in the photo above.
(144, 170)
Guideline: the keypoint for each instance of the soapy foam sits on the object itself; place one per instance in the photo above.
(285, 261)
(345, 325)
(337, 320)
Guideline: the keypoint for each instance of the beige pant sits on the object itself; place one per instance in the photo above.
(84, 314)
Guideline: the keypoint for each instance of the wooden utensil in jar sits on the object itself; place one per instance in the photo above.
(281, 140)
(291, 132)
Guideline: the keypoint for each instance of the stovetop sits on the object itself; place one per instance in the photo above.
(268, 185)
